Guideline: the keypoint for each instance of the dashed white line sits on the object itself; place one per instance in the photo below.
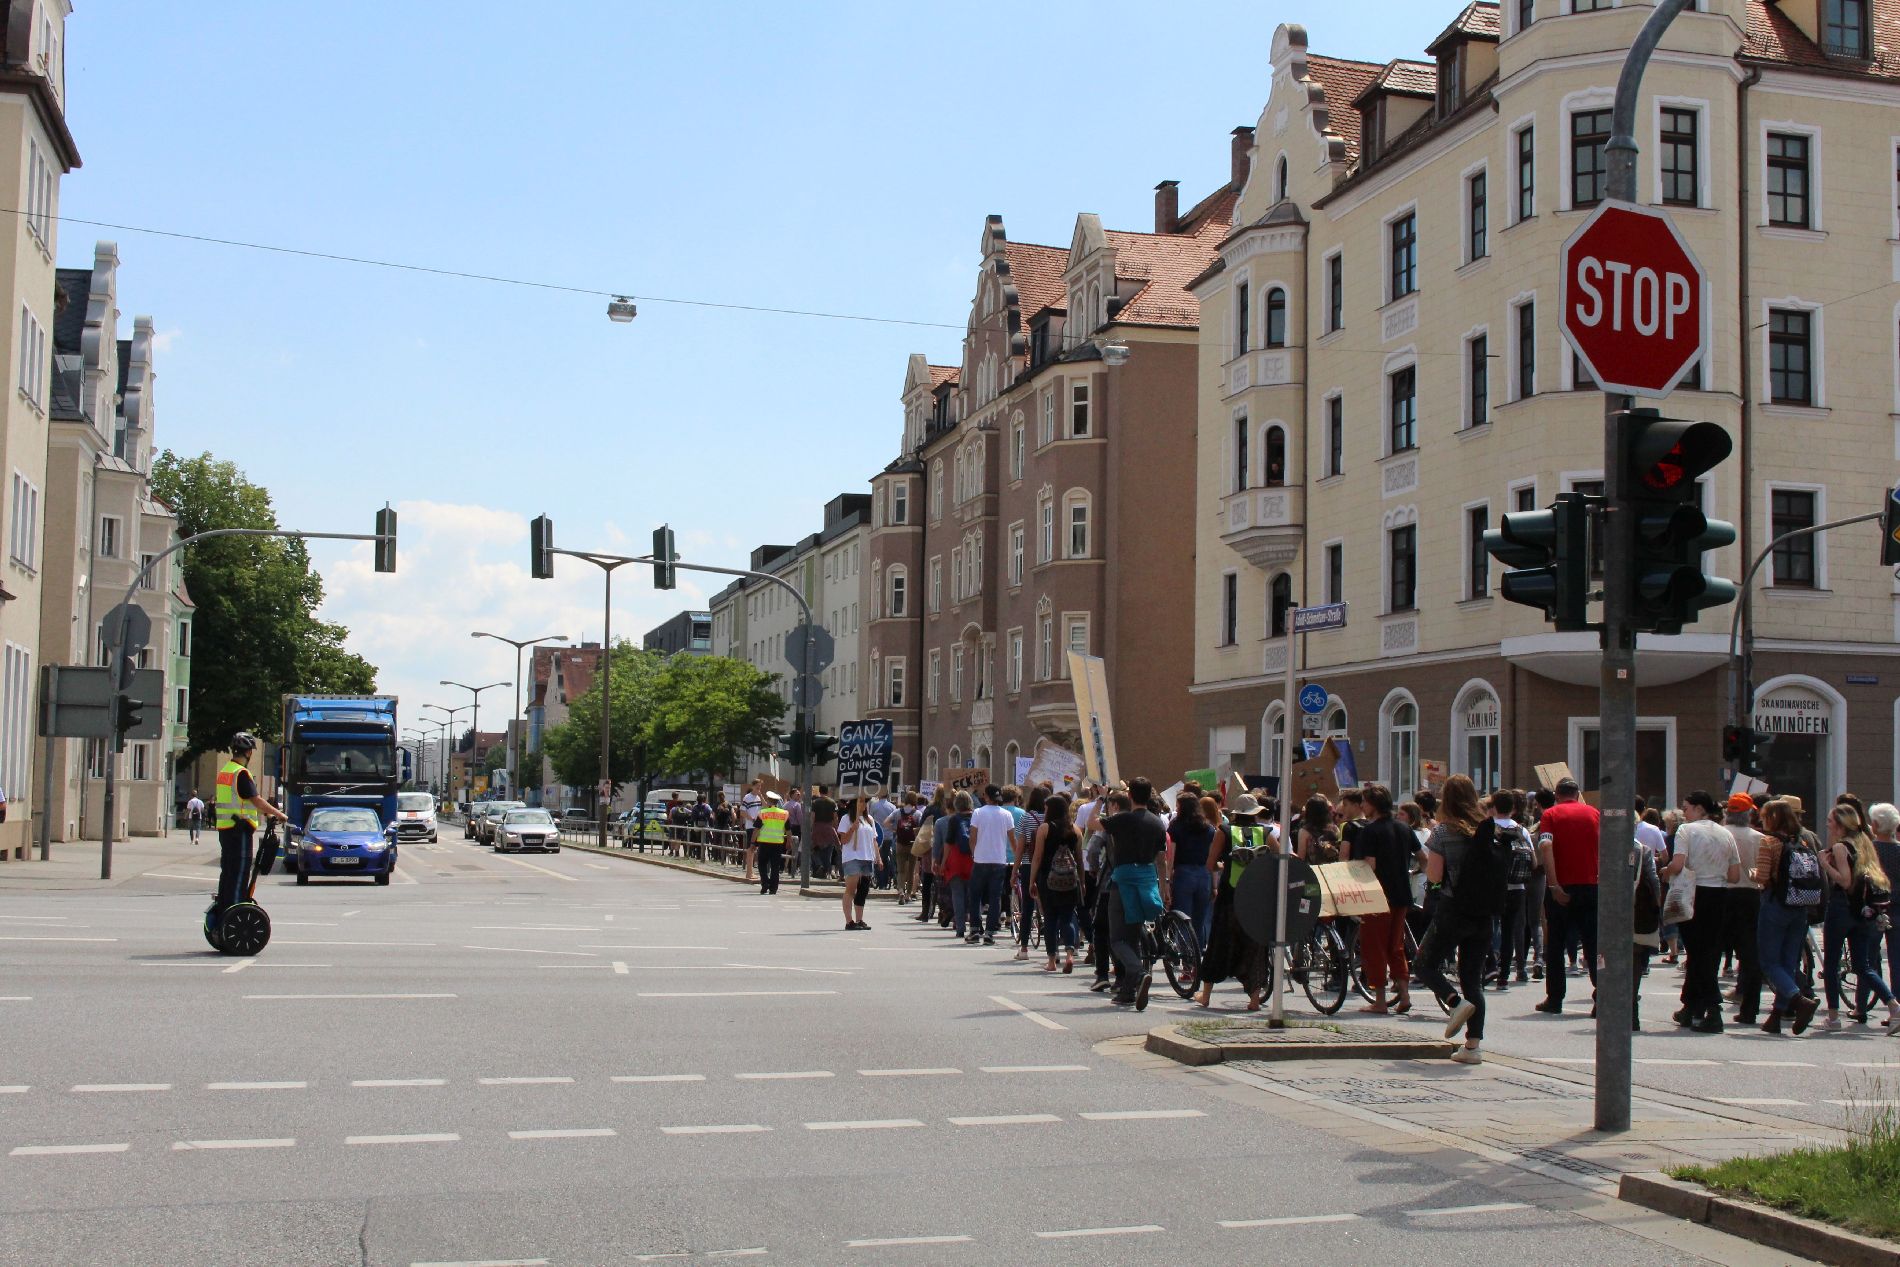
(1033, 1068)
(65, 1150)
(16, 998)
(400, 1082)
(285, 941)
(19, 1090)
(1005, 1119)
(1747, 1102)
(747, 1129)
(302, 923)
(349, 996)
(754, 1252)
(585, 1132)
(618, 946)
(1140, 1115)
(787, 1076)
(880, 1242)
(1660, 1060)
(523, 950)
(1775, 1064)
(25, 937)
(538, 928)
(660, 1077)
(730, 994)
(240, 965)
(1020, 1010)
(123, 1086)
(1865, 1104)
(521, 1082)
(1496, 1207)
(521, 862)
(1135, 1230)
(490, 1262)
(196, 1145)
(255, 1086)
(402, 1139)
(1869, 1064)
(905, 1073)
(871, 1124)
(1290, 1220)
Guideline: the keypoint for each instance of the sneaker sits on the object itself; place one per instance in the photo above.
(1100, 987)
(1141, 991)
(1467, 1056)
(1802, 1009)
(989, 941)
(1537, 972)
(1833, 1023)
(1553, 1006)
(1459, 1015)
(1684, 1017)
(1893, 1025)
(1521, 978)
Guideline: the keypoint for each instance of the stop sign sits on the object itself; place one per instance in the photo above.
(1634, 299)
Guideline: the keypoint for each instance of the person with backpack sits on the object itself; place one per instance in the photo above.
(1465, 858)
(1389, 845)
(1863, 895)
(1708, 852)
(957, 865)
(1229, 951)
(1055, 883)
(1513, 934)
(1789, 872)
(1317, 841)
(1190, 885)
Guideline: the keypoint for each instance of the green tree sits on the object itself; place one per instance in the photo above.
(256, 630)
(573, 747)
(708, 708)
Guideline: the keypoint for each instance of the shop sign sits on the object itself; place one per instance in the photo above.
(1793, 715)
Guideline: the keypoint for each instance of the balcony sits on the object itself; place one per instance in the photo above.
(1264, 525)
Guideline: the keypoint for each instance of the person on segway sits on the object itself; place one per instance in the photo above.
(238, 807)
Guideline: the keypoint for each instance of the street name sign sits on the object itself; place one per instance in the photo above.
(1633, 300)
(1315, 619)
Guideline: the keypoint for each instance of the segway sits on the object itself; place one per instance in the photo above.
(243, 928)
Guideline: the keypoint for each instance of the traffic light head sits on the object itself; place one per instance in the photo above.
(824, 749)
(541, 548)
(386, 540)
(664, 554)
(127, 714)
(1547, 552)
(1890, 530)
(1664, 458)
(791, 746)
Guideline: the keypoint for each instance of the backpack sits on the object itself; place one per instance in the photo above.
(1800, 884)
(1325, 847)
(1482, 876)
(1523, 863)
(1869, 902)
(1065, 869)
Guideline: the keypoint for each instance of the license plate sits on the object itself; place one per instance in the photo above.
(346, 862)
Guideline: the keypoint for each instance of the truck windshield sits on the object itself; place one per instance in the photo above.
(366, 760)
(415, 801)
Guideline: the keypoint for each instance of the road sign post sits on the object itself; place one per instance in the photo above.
(1308, 703)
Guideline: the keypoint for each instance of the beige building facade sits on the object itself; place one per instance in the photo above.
(1382, 322)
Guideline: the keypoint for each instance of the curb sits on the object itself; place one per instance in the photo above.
(1773, 1228)
(1169, 1041)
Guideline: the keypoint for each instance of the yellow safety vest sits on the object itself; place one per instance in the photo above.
(1243, 836)
(772, 826)
(231, 810)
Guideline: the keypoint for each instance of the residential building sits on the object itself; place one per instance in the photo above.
(1408, 217)
(688, 632)
(37, 148)
(559, 675)
(1034, 506)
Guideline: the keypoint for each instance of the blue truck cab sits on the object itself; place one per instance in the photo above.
(339, 750)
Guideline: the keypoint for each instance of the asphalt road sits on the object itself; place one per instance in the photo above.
(571, 1060)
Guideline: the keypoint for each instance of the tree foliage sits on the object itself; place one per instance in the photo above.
(707, 710)
(256, 630)
(573, 747)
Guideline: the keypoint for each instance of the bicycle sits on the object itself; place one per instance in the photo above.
(1173, 941)
(1324, 968)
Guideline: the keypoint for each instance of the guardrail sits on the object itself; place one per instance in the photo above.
(705, 844)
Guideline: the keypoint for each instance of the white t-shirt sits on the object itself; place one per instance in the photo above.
(751, 806)
(1651, 837)
(1711, 850)
(1084, 815)
(990, 826)
(859, 845)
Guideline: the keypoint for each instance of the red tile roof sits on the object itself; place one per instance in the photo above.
(1773, 37)
(1342, 81)
(941, 374)
(1036, 271)
(1409, 79)
(1167, 262)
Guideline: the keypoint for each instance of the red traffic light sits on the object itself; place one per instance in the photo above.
(1668, 455)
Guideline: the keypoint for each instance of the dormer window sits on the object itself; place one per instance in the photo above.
(1844, 28)
(1039, 343)
(1450, 89)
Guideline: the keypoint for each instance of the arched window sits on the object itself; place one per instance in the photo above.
(1276, 456)
(1276, 318)
(1010, 753)
(936, 489)
(1398, 743)
(956, 758)
(1272, 739)
(1334, 721)
(1279, 181)
(1075, 518)
(983, 761)
(1094, 317)
(896, 780)
(1475, 746)
(899, 589)
(1279, 603)
(930, 764)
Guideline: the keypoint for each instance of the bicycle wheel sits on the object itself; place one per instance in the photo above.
(1180, 952)
(1326, 977)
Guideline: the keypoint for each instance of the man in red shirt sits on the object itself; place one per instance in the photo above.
(1567, 846)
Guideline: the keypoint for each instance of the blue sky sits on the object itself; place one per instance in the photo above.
(837, 157)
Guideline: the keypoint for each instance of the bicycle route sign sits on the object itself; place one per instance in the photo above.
(1312, 699)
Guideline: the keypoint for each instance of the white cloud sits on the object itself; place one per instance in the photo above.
(164, 340)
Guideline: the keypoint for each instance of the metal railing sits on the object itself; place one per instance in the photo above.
(704, 844)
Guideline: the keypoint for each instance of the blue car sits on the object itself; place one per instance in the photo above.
(343, 840)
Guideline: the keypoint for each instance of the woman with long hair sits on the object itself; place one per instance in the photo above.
(1025, 842)
(1055, 879)
(1853, 864)
(1787, 871)
(1317, 840)
(857, 839)
(1190, 888)
(1459, 858)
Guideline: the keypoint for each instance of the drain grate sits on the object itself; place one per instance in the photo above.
(1564, 1161)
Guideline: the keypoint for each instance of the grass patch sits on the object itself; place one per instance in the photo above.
(1855, 1186)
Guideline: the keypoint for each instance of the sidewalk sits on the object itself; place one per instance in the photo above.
(74, 864)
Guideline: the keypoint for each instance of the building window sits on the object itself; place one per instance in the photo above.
(1279, 181)
(1243, 317)
(1794, 561)
(1477, 218)
(1478, 380)
(1588, 6)
(181, 700)
(1401, 744)
(1016, 554)
(184, 640)
(23, 536)
(1790, 360)
(109, 536)
(1276, 457)
(1046, 534)
(1242, 430)
(1079, 410)
(1788, 201)
(1526, 11)
(1336, 572)
(1526, 172)
(1527, 349)
(1013, 663)
(900, 593)
(1336, 291)
(17, 721)
(1018, 444)
(1404, 273)
(1335, 434)
(1524, 497)
(956, 674)
(1046, 430)
(148, 571)
(1477, 559)
(32, 357)
(1078, 528)
(956, 758)
(1403, 411)
(1681, 176)
(893, 683)
(935, 671)
(1075, 638)
(1844, 27)
(1276, 318)
(936, 489)
(1589, 157)
(1279, 604)
(1229, 609)
(1045, 647)
(1402, 568)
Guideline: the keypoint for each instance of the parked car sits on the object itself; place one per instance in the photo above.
(574, 815)
(345, 840)
(415, 816)
(485, 825)
(525, 829)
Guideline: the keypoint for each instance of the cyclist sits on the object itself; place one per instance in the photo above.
(238, 807)
(1136, 838)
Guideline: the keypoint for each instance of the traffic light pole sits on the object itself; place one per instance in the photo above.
(1615, 975)
(115, 658)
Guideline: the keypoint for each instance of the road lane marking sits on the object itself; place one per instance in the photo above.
(1745, 1102)
(520, 1082)
(402, 1139)
(869, 1124)
(787, 1076)
(65, 1150)
(1775, 1064)
(880, 1242)
(123, 1086)
(728, 994)
(27, 937)
(905, 1073)
(1290, 1220)
(736, 1253)
(400, 1082)
(286, 941)
(1565, 1060)
(591, 946)
(1138, 1229)
(302, 923)
(523, 862)
(1865, 1104)
(489, 1262)
(583, 1132)
(195, 1145)
(1006, 1119)
(19, 1090)
(538, 928)
(749, 1129)
(16, 998)
(1869, 1064)
(1496, 1207)
(660, 1077)
(1140, 1115)
(1661, 1060)
(598, 866)
(1020, 1010)
(255, 1086)
(349, 996)
(620, 967)
(241, 965)
(1033, 1068)
(522, 950)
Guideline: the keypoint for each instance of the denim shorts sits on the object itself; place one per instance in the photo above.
(857, 866)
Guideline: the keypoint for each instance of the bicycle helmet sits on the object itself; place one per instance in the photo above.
(243, 741)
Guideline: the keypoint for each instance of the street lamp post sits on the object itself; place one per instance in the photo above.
(514, 749)
(423, 740)
(475, 722)
(446, 722)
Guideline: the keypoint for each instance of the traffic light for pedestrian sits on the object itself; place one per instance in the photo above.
(791, 746)
(385, 540)
(1890, 530)
(126, 714)
(1746, 748)
(1548, 554)
(665, 554)
(541, 548)
(1664, 458)
(824, 749)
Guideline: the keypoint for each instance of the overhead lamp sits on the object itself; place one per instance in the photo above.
(1114, 354)
(621, 309)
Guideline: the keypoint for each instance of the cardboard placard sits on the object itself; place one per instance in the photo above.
(1088, 674)
(1548, 776)
(1753, 786)
(927, 789)
(1208, 779)
(1023, 766)
(1433, 774)
(1056, 766)
(971, 781)
(1315, 776)
(1350, 888)
(770, 783)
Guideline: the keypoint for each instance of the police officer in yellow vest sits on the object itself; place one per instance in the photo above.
(237, 806)
(771, 841)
